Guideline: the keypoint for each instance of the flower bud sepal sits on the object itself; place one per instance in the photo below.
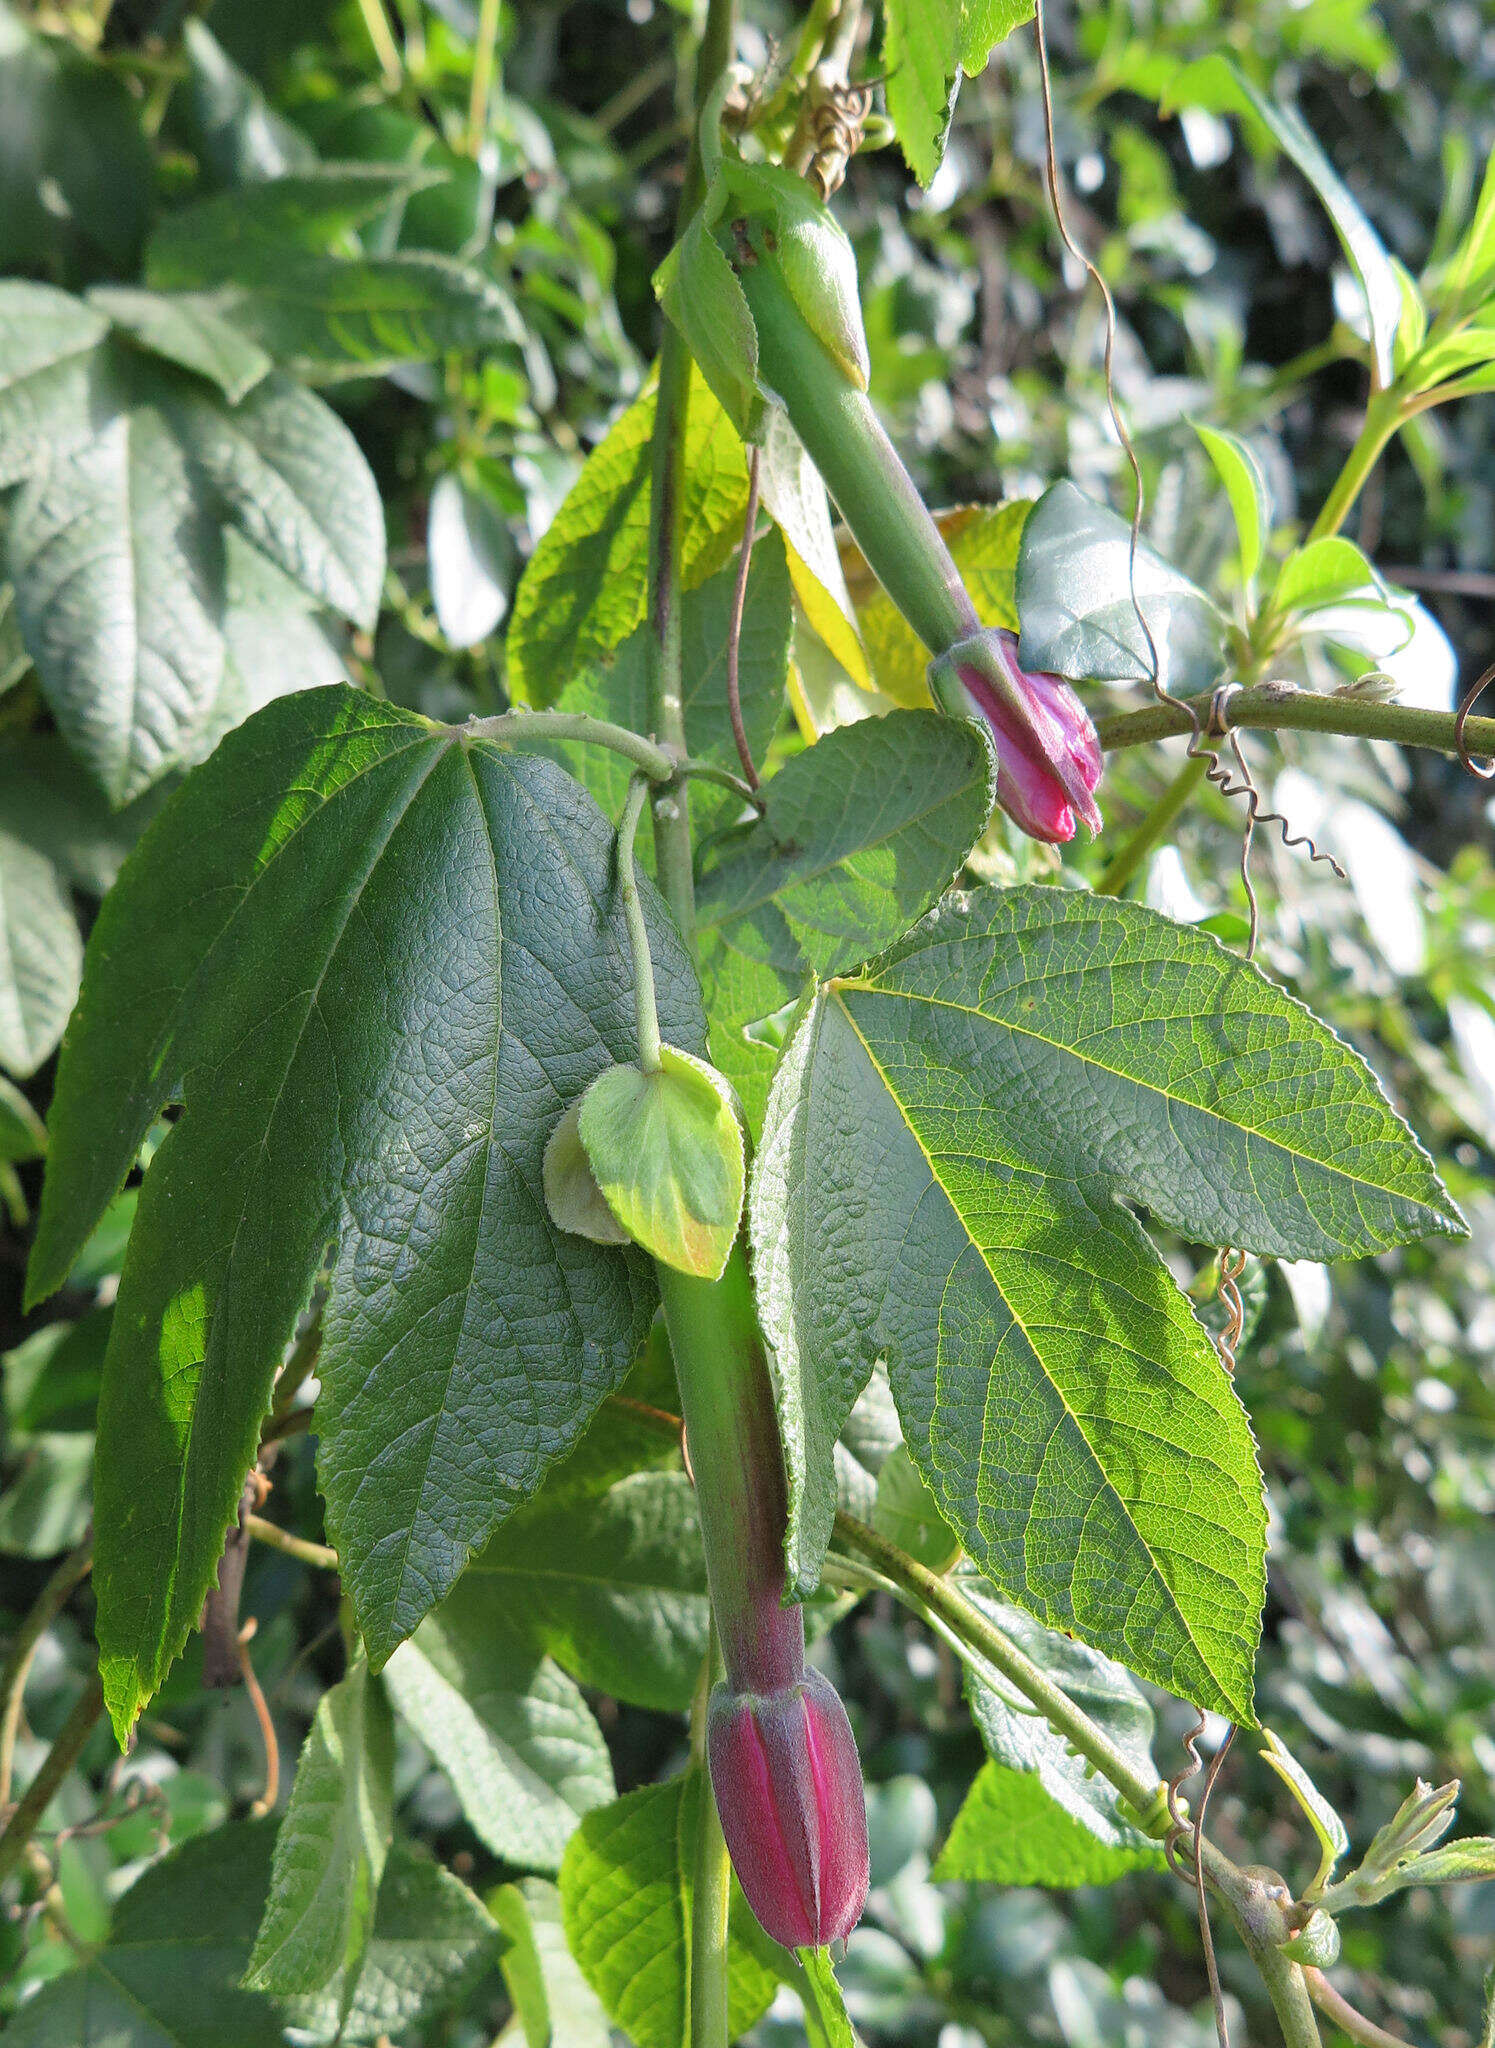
(788, 1788)
(1048, 755)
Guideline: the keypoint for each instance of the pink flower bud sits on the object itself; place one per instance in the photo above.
(1048, 757)
(788, 1787)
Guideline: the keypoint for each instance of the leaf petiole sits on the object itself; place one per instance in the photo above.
(645, 1008)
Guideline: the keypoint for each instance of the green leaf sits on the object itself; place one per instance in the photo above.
(950, 1137)
(906, 1513)
(117, 563)
(235, 131)
(187, 328)
(1470, 1861)
(1220, 83)
(554, 2005)
(117, 552)
(1333, 1837)
(859, 835)
(701, 294)
(50, 801)
(1010, 1831)
(331, 1846)
(432, 1943)
(1075, 596)
(290, 476)
(48, 364)
(41, 956)
(795, 499)
(926, 46)
(616, 687)
(583, 591)
(1323, 573)
(1246, 488)
(983, 541)
(76, 175)
(610, 1581)
(921, 51)
(826, 2018)
(23, 1135)
(308, 212)
(272, 956)
(470, 554)
(48, 1493)
(510, 1729)
(168, 1975)
(626, 1887)
(1469, 276)
(666, 1149)
(984, 24)
(1020, 1739)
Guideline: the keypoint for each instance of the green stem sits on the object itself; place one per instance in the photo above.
(1383, 416)
(514, 728)
(942, 1598)
(1130, 855)
(711, 1895)
(49, 1603)
(481, 91)
(386, 49)
(1289, 1996)
(847, 443)
(298, 1547)
(1345, 2016)
(1275, 706)
(672, 848)
(645, 1004)
(60, 1759)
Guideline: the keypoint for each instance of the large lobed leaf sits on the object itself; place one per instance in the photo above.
(375, 962)
(940, 1184)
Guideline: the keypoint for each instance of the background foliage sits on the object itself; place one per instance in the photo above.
(333, 456)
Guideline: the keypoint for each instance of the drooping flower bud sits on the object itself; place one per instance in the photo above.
(788, 1788)
(783, 1761)
(1048, 756)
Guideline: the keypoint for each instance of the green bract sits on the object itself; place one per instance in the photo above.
(761, 213)
(666, 1150)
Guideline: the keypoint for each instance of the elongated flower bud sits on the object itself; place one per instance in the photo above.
(783, 1761)
(1048, 757)
(789, 1791)
(1049, 760)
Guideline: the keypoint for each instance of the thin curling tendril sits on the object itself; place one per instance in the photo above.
(1481, 771)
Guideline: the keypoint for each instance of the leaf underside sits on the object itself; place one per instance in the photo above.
(374, 964)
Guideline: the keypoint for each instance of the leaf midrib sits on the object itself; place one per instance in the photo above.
(1159, 1576)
